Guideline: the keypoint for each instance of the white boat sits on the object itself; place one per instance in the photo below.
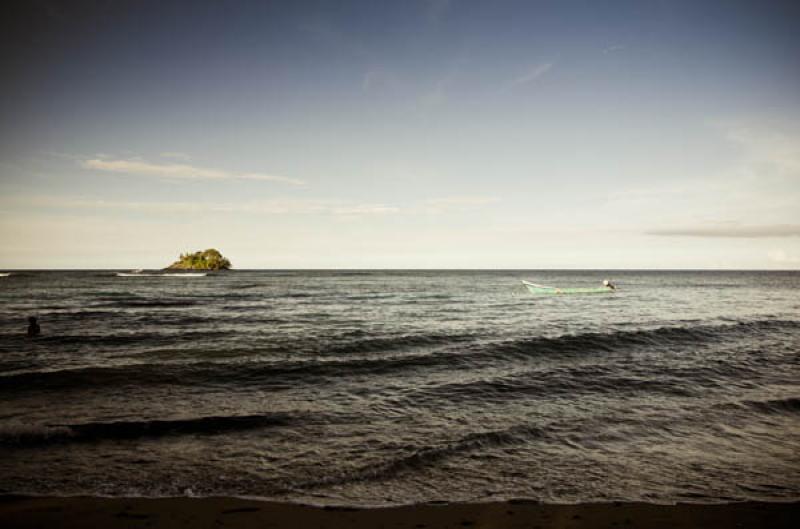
(543, 290)
(5, 274)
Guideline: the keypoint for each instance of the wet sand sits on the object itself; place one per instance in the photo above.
(84, 512)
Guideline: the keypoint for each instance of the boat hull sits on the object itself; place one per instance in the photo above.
(541, 290)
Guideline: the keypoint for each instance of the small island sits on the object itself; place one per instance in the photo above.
(209, 259)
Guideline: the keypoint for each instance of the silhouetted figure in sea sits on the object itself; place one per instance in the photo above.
(33, 327)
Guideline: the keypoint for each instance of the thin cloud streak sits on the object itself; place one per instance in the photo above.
(532, 75)
(731, 231)
(176, 155)
(179, 171)
(278, 206)
(458, 202)
(266, 207)
(764, 146)
(780, 256)
(613, 49)
(438, 94)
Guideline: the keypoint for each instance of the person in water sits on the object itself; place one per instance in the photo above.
(609, 284)
(33, 327)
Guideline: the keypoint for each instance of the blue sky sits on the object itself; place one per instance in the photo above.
(427, 134)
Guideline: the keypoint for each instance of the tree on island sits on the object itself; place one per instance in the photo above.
(209, 259)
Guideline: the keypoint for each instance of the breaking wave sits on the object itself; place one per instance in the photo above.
(26, 436)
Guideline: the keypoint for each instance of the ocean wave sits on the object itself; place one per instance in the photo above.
(552, 383)
(789, 405)
(27, 436)
(623, 339)
(391, 343)
(426, 456)
(135, 338)
(149, 303)
(454, 351)
(240, 372)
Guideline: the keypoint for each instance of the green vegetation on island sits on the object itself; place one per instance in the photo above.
(209, 259)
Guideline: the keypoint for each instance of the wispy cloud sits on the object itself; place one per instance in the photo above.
(176, 155)
(365, 209)
(266, 207)
(613, 49)
(437, 92)
(528, 77)
(377, 79)
(276, 206)
(771, 147)
(436, 95)
(457, 203)
(755, 187)
(780, 256)
(731, 230)
(179, 171)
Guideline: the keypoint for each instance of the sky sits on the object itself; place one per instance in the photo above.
(408, 134)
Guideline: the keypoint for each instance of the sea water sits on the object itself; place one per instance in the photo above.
(378, 387)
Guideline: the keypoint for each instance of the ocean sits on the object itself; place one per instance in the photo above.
(374, 388)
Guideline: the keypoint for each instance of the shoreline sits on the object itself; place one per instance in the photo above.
(214, 512)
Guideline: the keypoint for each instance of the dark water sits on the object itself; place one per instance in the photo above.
(381, 387)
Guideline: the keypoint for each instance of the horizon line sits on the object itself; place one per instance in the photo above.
(420, 269)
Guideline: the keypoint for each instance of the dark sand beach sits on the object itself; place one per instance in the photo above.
(79, 512)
